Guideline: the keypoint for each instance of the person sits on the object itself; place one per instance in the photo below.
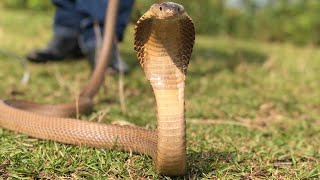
(74, 35)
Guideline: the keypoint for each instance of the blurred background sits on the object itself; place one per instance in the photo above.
(252, 96)
(296, 21)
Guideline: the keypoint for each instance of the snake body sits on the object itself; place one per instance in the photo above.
(164, 38)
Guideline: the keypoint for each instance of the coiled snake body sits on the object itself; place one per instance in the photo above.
(164, 38)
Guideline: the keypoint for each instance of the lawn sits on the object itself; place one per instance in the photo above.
(253, 109)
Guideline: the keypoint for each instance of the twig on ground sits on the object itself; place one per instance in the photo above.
(121, 79)
(280, 164)
(59, 78)
(121, 93)
(77, 107)
(99, 116)
(224, 122)
(26, 72)
(128, 163)
(308, 157)
(102, 115)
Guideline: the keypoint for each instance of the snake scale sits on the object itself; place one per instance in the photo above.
(164, 39)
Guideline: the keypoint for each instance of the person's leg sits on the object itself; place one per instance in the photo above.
(67, 16)
(66, 29)
(94, 11)
(123, 18)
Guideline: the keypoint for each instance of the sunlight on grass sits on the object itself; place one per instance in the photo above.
(253, 109)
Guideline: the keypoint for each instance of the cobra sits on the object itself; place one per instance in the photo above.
(164, 38)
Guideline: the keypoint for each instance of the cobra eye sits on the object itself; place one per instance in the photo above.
(160, 8)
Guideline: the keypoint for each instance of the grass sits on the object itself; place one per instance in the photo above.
(253, 109)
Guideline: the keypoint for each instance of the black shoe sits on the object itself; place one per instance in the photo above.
(59, 48)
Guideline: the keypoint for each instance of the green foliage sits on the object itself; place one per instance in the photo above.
(27, 4)
(252, 109)
(283, 20)
(295, 21)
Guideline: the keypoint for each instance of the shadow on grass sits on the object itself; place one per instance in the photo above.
(204, 162)
(217, 58)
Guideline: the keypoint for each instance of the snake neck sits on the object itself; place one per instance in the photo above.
(171, 146)
(165, 73)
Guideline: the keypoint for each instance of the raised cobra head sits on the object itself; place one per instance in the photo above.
(164, 38)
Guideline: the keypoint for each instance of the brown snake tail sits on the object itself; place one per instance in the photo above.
(164, 39)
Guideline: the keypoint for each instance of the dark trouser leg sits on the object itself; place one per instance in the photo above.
(94, 11)
(66, 32)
